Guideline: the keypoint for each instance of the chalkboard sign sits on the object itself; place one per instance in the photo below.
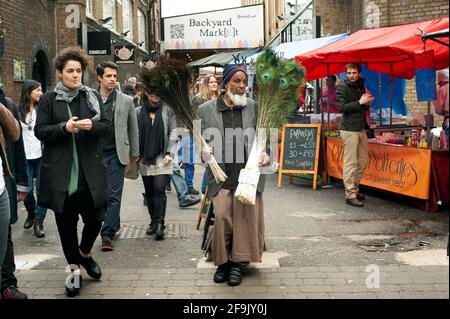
(299, 150)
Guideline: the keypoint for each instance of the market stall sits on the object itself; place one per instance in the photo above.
(396, 150)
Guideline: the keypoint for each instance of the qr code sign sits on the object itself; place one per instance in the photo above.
(177, 31)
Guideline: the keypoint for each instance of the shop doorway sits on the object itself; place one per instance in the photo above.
(41, 69)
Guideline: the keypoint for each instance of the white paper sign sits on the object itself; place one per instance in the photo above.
(231, 28)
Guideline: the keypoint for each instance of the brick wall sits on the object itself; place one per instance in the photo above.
(336, 15)
(66, 33)
(411, 11)
(30, 29)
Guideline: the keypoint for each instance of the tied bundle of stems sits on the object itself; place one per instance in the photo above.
(278, 81)
(171, 79)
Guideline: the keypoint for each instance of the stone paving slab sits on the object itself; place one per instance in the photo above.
(395, 282)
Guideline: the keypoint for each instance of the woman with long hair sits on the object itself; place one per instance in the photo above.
(209, 89)
(31, 93)
(71, 123)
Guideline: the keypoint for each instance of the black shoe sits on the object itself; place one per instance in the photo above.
(159, 231)
(107, 244)
(354, 202)
(38, 228)
(29, 221)
(75, 285)
(151, 229)
(189, 201)
(13, 293)
(234, 276)
(360, 196)
(92, 268)
(193, 191)
(221, 274)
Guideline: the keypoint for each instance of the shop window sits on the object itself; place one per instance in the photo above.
(141, 26)
(109, 10)
(127, 9)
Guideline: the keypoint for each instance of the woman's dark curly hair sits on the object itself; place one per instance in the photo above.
(74, 54)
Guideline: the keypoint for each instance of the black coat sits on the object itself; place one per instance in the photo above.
(56, 165)
(353, 113)
(18, 164)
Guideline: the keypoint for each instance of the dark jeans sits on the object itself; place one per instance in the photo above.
(116, 175)
(33, 170)
(179, 183)
(81, 203)
(9, 267)
(188, 160)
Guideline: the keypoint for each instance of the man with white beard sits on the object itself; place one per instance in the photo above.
(238, 228)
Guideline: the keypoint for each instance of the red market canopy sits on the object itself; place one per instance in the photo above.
(392, 50)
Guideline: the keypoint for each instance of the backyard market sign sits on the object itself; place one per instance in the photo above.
(220, 29)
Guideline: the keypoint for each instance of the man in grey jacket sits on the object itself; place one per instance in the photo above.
(119, 148)
(238, 228)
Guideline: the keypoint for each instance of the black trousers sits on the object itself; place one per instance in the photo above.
(80, 203)
(9, 267)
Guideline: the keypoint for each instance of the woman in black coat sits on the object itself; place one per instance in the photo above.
(70, 122)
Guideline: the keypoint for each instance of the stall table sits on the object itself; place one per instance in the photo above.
(418, 173)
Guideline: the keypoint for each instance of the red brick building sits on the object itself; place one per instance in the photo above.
(37, 30)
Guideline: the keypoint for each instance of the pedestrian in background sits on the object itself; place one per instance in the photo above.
(441, 103)
(9, 130)
(119, 148)
(157, 124)
(71, 122)
(238, 236)
(17, 187)
(209, 89)
(139, 92)
(31, 93)
(329, 103)
(354, 103)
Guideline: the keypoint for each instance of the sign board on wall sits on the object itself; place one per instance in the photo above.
(19, 72)
(124, 54)
(231, 28)
(99, 43)
(403, 170)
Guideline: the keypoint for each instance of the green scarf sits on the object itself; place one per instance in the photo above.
(73, 183)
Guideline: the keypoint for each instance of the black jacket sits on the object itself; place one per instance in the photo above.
(353, 113)
(18, 164)
(56, 165)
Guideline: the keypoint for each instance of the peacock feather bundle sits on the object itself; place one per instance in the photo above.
(170, 79)
(278, 81)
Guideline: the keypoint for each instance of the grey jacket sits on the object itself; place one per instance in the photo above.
(211, 117)
(170, 125)
(126, 128)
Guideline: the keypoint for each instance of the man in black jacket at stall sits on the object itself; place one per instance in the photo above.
(353, 103)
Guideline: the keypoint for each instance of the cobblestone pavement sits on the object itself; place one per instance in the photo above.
(317, 247)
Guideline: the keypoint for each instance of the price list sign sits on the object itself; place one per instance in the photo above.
(299, 150)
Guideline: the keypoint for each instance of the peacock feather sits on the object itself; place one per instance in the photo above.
(278, 81)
